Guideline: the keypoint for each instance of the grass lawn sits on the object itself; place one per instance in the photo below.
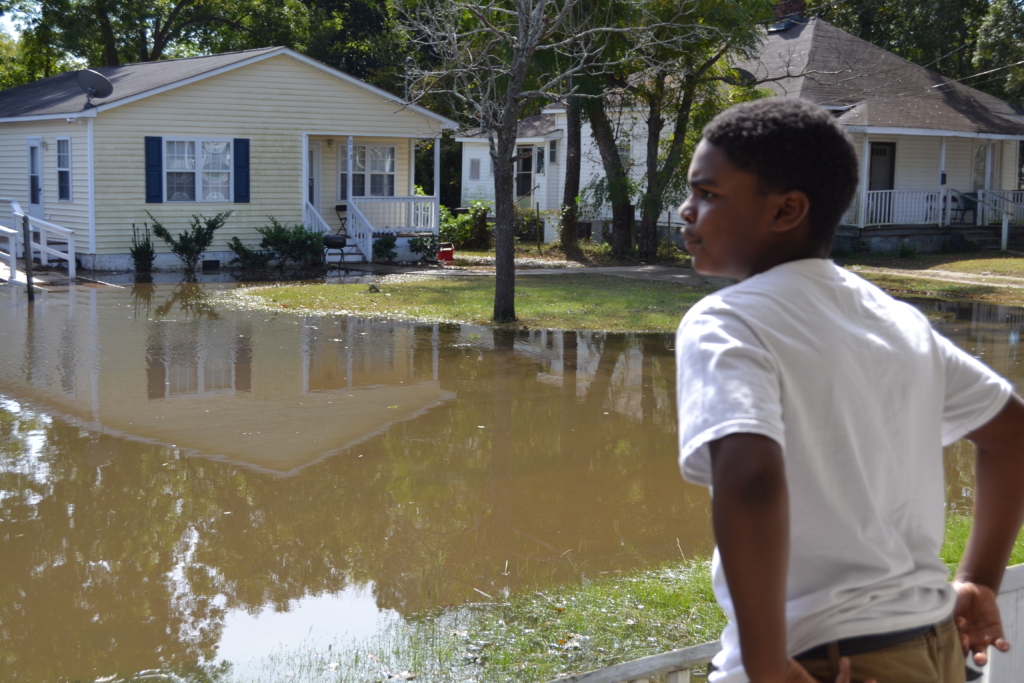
(569, 302)
(909, 286)
(975, 263)
(588, 254)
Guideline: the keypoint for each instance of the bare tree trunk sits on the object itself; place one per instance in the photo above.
(502, 152)
(651, 203)
(618, 189)
(571, 192)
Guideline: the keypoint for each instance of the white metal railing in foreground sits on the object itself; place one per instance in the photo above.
(42, 247)
(676, 665)
(394, 214)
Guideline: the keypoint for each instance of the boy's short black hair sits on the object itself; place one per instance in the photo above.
(792, 144)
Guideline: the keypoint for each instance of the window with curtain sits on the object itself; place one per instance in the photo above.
(197, 170)
(373, 176)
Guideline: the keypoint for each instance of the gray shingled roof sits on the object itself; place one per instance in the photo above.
(881, 89)
(60, 94)
(534, 127)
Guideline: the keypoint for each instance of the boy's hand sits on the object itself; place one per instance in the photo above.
(798, 674)
(977, 620)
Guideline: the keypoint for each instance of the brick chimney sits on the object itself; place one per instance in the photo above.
(787, 8)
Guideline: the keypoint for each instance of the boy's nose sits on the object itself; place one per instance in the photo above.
(686, 211)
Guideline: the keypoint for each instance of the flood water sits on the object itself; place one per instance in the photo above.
(184, 482)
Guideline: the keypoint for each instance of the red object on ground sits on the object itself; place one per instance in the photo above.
(446, 252)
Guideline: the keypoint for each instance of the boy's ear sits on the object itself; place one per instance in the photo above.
(791, 208)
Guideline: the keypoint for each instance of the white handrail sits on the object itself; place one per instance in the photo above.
(313, 220)
(43, 246)
(360, 230)
(12, 250)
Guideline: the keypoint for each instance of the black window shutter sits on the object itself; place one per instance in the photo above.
(241, 170)
(154, 171)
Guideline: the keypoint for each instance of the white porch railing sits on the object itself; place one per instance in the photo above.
(42, 247)
(312, 219)
(677, 664)
(913, 207)
(393, 214)
(1009, 202)
(360, 231)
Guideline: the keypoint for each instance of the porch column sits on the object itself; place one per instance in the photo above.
(943, 200)
(305, 174)
(437, 183)
(348, 176)
(412, 167)
(942, 162)
(865, 160)
(983, 211)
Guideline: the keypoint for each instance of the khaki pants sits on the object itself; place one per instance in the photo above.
(935, 657)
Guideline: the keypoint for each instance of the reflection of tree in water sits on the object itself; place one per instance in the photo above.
(192, 300)
(119, 551)
(142, 297)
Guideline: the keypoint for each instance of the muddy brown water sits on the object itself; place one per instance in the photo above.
(181, 481)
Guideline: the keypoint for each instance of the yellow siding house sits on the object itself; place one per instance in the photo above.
(261, 133)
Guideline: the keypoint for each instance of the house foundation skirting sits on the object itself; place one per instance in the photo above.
(891, 239)
(163, 262)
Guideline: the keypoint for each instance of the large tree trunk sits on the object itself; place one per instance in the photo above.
(110, 55)
(571, 192)
(651, 203)
(660, 175)
(502, 151)
(618, 188)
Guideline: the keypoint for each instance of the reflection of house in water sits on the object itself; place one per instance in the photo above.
(989, 332)
(278, 393)
(197, 357)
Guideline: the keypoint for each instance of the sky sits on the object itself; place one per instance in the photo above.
(7, 23)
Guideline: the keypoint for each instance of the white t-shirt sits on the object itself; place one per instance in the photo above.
(861, 394)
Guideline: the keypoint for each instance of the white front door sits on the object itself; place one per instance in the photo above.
(35, 178)
(313, 180)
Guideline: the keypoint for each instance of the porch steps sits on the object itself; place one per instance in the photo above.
(349, 254)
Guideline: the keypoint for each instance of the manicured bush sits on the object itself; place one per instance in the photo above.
(189, 246)
(426, 246)
(384, 248)
(142, 250)
(295, 244)
(248, 258)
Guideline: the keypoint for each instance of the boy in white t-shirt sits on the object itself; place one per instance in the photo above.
(816, 407)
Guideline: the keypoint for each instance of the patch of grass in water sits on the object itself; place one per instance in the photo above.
(569, 302)
(540, 635)
(533, 636)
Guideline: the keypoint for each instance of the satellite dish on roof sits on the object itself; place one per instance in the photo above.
(94, 84)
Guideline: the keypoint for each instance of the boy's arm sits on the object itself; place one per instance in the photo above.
(750, 508)
(998, 514)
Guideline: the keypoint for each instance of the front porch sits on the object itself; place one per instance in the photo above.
(365, 187)
(933, 188)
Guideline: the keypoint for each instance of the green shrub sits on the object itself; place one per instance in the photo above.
(669, 252)
(384, 248)
(527, 225)
(907, 250)
(190, 245)
(247, 258)
(292, 244)
(426, 246)
(142, 250)
(469, 230)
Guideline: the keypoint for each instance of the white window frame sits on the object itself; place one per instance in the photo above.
(474, 169)
(67, 169)
(366, 172)
(198, 170)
